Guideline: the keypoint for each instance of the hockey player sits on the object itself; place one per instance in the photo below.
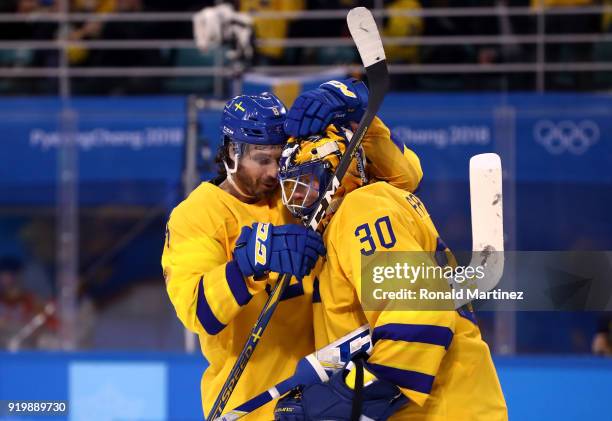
(425, 365)
(214, 279)
(224, 240)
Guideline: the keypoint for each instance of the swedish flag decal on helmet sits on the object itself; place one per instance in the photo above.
(255, 119)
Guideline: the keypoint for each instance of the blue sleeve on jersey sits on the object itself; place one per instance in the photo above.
(207, 318)
(236, 283)
(428, 334)
(408, 379)
(398, 143)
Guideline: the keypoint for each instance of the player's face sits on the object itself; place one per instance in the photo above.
(301, 192)
(258, 170)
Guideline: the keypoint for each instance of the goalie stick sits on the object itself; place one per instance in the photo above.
(367, 39)
(487, 244)
(487, 214)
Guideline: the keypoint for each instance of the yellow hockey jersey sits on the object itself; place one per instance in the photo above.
(214, 301)
(437, 358)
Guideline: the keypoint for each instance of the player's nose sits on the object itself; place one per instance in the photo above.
(272, 171)
(298, 195)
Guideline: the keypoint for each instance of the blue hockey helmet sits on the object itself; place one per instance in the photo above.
(255, 119)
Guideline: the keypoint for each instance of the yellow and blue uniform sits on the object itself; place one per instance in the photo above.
(437, 358)
(213, 300)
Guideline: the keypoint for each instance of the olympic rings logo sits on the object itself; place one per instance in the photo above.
(566, 135)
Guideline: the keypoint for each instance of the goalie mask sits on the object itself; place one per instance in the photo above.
(308, 164)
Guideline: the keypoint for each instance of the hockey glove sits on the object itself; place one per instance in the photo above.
(264, 248)
(333, 102)
(334, 400)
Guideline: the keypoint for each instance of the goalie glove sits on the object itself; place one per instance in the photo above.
(335, 400)
(335, 101)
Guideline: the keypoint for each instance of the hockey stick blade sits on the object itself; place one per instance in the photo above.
(365, 34)
(367, 38)
(486, 202)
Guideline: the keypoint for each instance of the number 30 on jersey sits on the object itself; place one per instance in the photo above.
(378, 234)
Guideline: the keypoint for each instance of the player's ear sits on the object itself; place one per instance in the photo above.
(234, 151)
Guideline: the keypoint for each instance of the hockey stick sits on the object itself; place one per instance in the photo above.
(367, 39)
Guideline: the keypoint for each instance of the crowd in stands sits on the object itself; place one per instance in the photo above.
(403, 26)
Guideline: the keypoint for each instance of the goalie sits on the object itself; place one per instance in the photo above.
(425, 365)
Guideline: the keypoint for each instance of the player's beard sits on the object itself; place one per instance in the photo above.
(258, 187)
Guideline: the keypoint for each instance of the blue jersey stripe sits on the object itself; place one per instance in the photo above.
(398, 143)
(428, 334)
(211, 324)
(236, 283)
(408, 379)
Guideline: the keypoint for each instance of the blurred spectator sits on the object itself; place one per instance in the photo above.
(602, 342)
(18, 306)
(271, 28)
(89, 29)
(402, 26)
